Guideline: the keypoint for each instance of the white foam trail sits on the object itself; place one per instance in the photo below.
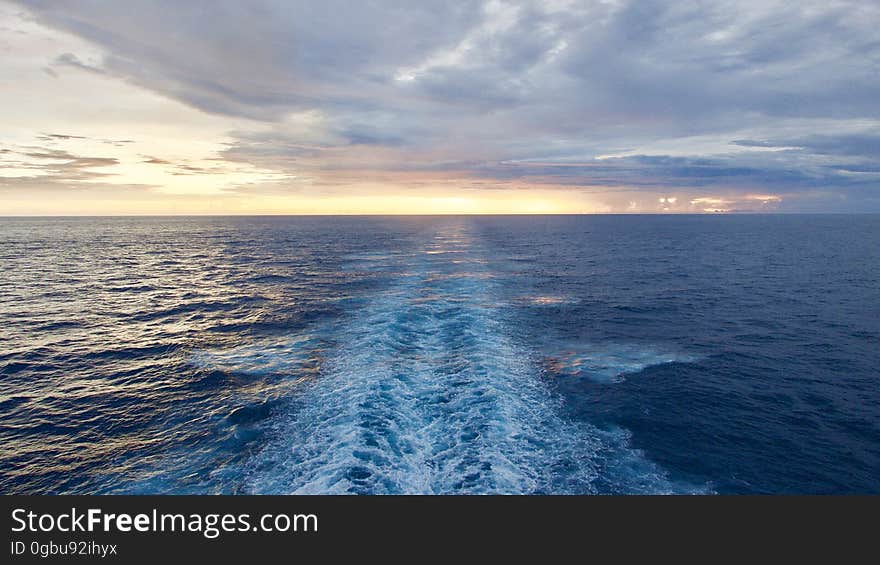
(425, 395)
(427, 392)
(610, 363)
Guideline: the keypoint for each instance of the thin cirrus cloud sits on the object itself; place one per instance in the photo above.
(641, 105)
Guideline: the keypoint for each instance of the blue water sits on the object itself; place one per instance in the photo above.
(543, 354)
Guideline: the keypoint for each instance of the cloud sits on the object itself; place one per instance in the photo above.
(866, 144)
(72, 61)
(157, 161)
(727, 97)
(48, 167)
(58, 136)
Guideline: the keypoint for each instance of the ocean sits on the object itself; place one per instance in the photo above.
(440, 354)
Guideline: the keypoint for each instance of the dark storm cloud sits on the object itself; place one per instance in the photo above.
(790, 88)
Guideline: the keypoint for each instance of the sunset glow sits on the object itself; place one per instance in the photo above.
(198, 111)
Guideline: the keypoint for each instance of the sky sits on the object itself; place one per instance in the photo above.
(338, 107)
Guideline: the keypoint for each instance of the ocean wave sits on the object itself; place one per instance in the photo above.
(610, 363)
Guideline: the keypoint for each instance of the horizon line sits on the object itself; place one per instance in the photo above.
(428, 214)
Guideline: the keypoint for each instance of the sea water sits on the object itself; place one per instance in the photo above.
(517, 354)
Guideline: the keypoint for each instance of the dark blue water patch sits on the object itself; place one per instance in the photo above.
(731, 416)
(50, 326)
(249, 414)
(129, 288)
(11, 403)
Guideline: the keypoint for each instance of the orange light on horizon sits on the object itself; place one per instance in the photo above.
(487, 202)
